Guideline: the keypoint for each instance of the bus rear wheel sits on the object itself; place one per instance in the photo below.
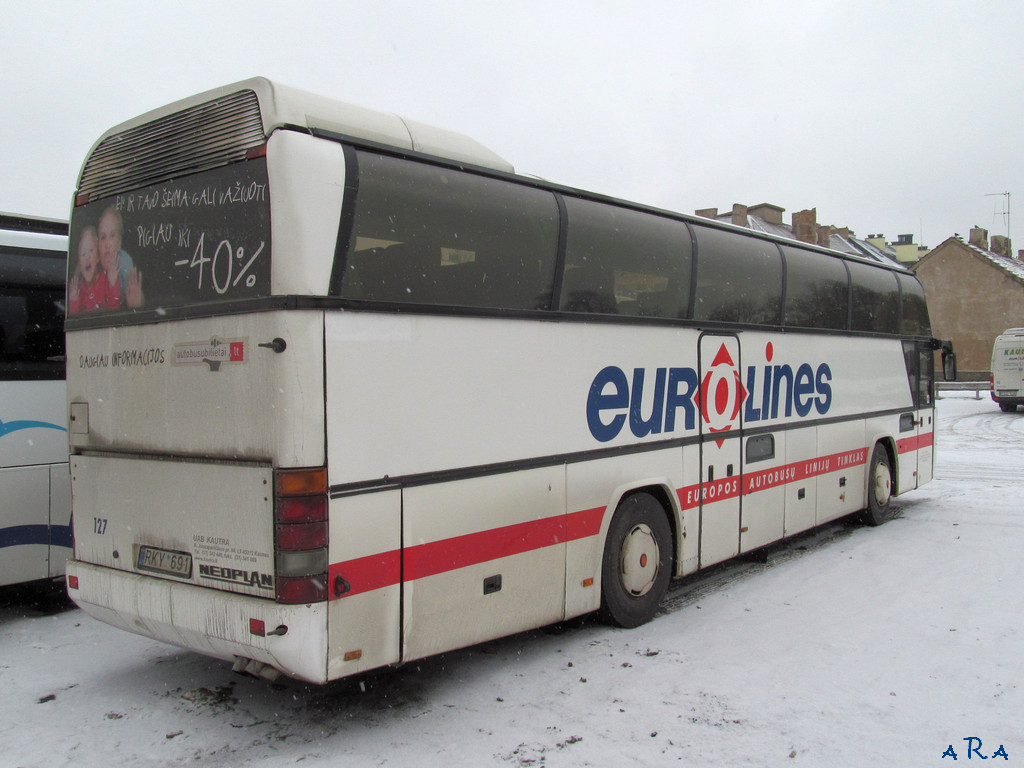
(879, 507)
(637, 563)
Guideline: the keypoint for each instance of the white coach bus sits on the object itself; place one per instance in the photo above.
(35, 487)
(360, 394)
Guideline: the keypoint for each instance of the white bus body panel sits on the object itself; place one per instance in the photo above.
(145, 389)
(33, 423)
(365, 627)
(35, 514)
(220, 514)
(205, 438)
(447, 603)
(764, 515)
(60, 518)
(302, 168)
(467, 399)
(485, 392)
(801, 508)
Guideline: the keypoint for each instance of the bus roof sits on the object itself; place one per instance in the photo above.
(23, 223)
(21, 231)
(283, 105)
(123, 159)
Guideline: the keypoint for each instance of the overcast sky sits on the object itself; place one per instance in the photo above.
(891, 117)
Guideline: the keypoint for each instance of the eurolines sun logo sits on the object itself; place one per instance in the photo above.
(721, 393)
(664, 400)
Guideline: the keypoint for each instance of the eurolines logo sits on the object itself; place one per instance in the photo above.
(664, 400)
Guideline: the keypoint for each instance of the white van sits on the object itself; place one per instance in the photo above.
(1008, 369)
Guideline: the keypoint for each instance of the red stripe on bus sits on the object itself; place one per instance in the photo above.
(472, 548)
(691, 496)
(916, 443)
(364, 574)
(383, 570)
(581, 525)
(726, 488)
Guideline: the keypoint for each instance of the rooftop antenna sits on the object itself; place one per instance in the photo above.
(1006, 213)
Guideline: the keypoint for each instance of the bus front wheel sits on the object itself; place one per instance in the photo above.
(637, 563)
(879, 488)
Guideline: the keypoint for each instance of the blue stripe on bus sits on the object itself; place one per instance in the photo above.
(19, 535)
(14, 426)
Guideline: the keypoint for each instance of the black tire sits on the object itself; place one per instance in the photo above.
(637, 563)
(1008, 407)
(880, 506)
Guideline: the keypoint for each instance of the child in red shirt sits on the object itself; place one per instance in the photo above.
(90, 290)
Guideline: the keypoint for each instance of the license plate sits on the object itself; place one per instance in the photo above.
(164, 561)
(1007, 392)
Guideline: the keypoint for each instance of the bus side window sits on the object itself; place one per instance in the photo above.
(914, 309)
(625, 262)
(31, 316)
(817, 290)
(876, 299)
(445, 237)
(739, 278)
(589, 288)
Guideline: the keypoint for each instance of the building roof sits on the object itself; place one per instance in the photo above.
(1013, 267)
(872, 251)
(758, 224)
(1010, 265)
(839, 240)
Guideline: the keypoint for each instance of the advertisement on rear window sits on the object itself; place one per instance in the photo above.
(201, 239)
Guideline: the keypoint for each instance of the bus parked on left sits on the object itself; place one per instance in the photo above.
(35, 484)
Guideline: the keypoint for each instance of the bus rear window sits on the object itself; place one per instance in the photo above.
(423, 234)
(195, 240)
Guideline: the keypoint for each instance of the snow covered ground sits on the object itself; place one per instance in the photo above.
(851, 646)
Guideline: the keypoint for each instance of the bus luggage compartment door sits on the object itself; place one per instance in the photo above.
(481, 558)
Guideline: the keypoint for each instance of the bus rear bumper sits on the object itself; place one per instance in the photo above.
(239, 628)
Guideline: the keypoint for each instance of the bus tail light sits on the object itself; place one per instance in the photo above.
(300, 535)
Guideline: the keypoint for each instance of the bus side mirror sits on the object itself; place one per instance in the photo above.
(949, 365)
(948, 358)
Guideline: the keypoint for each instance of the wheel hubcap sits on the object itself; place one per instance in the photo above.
(883, 485)
(639, 560)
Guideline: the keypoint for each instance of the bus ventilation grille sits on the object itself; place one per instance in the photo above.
(205, 136)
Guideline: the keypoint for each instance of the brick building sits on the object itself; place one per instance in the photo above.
(975, 291)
